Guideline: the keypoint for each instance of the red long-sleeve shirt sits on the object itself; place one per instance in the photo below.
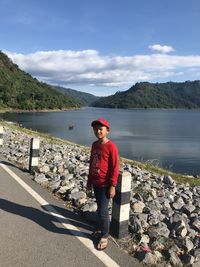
(104, 167)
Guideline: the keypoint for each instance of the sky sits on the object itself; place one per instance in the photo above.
(103, 46)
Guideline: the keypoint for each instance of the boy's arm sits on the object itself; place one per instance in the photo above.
(114, 167)
(112, 191)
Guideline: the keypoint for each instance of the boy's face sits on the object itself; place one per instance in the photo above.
(100, 131)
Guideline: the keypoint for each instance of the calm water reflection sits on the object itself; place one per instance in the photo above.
(171, 137)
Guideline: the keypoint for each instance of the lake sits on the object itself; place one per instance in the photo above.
(170, 138)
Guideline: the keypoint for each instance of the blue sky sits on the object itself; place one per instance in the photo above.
(103, 46)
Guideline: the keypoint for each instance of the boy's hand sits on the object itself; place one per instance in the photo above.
(112, 191)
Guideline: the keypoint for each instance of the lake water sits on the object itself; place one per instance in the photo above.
(168, 137)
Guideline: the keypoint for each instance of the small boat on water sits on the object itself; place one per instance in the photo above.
(71, 126)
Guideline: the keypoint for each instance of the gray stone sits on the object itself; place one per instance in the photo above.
(74, 190)
(44, 169)
(168, 180)
(135, 225)
(174, 259)
(144, 239)
(65, 188)
(160, 230)
(54, 186)
(196, 224)
(180, 228)
(188, 259)
(188, 209)
(188, 244)
(78, 195)
(80, 201)
(42, 180)
(138, 206)
(178, 204)
(150, 259)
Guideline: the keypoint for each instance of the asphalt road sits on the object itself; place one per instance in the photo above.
(37, 230)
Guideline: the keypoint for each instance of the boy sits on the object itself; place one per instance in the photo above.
(103, 175)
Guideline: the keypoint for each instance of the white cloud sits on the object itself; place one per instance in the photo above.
(164, 49)
(89, 68)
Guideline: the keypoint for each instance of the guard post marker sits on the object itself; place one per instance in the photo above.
(121, 206)
(34, 155)
(1, 135)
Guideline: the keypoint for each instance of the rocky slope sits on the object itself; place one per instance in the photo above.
(164, 216)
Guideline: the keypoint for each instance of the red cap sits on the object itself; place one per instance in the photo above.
(102, 121)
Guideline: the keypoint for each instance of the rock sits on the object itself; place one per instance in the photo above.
(138, 206)
(42, 180)
(197, 254)
(44, 169)
(142, 217)
(80, 202)
(196, 225)
(89, 207)
(77, 195)
(74, 190)
(197, 241)
(155, 217)
(159, 243)
(174, 259)
(150, 259)
(68, 186)
(144, 239)
(60, 169)
(168, 180)
(135, 225)
(178, 204)
(188, 209)
(180, 228)
(196, 264)
(188, 245)
(54, 186)
(188, 259)
(160, 230)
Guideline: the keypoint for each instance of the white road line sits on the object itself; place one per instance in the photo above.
(84, 240)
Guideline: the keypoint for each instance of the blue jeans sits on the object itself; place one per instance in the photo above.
(102, 199)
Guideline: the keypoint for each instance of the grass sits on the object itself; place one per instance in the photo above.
(179, 178)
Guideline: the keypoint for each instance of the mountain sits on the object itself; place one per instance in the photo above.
(155, 95)
(84, 99)
(19, 90)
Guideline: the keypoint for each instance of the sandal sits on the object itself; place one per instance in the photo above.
(96, 234)
(103, 243)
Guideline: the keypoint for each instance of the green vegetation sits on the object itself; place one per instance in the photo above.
(19, 90)
(155, 95)
(179, 178)
(84, 99)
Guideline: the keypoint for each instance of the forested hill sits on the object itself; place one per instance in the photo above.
(155, 95)
(19, 90)
(83, 98)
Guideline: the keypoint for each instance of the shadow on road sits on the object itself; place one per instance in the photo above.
(9, 164)
(45, 219)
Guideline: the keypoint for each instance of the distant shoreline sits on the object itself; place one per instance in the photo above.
(79, 108)
(35, 110)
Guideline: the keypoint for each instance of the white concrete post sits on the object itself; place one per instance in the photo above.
(121, 206)
(34, 154)
(1, 135)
